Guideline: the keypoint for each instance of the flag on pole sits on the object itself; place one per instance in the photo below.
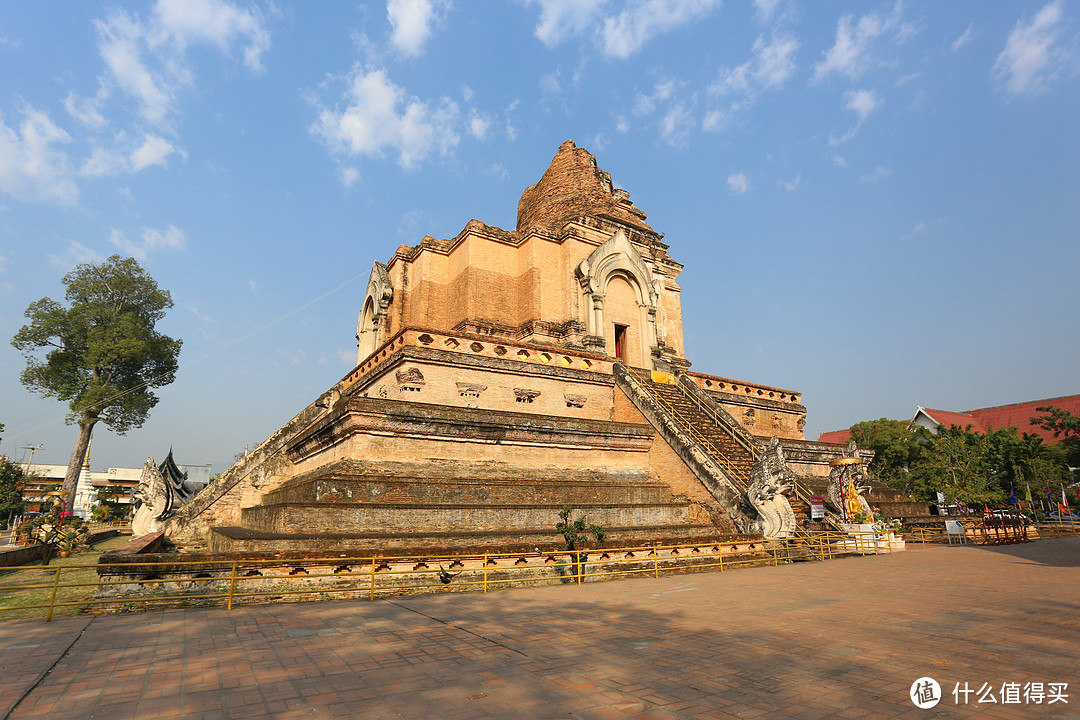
(1064, 500)
(1050, 496)
(1027, 496)
(1012, 494)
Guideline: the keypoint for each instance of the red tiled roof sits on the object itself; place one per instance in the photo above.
(838, 437)
(948, 418)
(1017, 415)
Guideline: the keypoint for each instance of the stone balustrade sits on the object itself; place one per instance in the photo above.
(471, 344)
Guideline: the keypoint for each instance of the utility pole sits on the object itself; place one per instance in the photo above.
(32, 449)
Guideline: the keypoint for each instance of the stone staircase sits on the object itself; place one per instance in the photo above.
(703, 422)
(359, 505)
(713, 430)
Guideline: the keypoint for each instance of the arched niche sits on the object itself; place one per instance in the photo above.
(372, 325)
(617, 259)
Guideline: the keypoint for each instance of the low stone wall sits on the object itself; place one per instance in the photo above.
(22, 555)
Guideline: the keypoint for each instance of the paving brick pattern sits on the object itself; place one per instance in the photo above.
(841, 639)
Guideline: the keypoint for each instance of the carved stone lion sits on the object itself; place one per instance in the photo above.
(770, 480)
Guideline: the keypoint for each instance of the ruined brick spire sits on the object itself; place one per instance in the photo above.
(574, 186)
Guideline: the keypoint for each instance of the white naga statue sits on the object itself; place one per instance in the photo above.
(770, 480)
(161, 491)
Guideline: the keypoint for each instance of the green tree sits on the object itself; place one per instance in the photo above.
(102, 353)
(957, 463)
(1064, 425)
(576, 534)
(897, 446)
(109, 499)
(12, 484)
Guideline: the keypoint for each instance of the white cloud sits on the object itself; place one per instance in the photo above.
(379, 116)
(642, 20)
(850, 54)
(965, 38)
(184, 22)
(3, 263)
(790, 185)
(412, 22)
(839, 161)
(676, 110)
(862, 103)
(765, 9)
(120, 42)
(154, 151)
(620, 35)
(146, 58)
(738, 183)
(467, 93)
(126, 157)
(204, 318)
(497, 171)
(349, 176)
(1032, 56)
(295, 356)
(478, 125)
(622, 125)
(172, 238)
(919, 229)
(770, 65)
(31, 166)
(88, 110)
(879, 173)
(560, 19)
(347, 357)
(676, 125)
(74, 254)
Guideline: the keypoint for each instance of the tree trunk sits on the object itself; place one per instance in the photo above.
(78, 455)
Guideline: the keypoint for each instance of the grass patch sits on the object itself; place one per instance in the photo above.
(21, 600)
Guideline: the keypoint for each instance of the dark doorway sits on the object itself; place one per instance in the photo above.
(620, 343)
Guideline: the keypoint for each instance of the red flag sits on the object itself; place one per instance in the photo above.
(1063, 509)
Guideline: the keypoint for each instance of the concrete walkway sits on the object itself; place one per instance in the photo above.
(840, 639)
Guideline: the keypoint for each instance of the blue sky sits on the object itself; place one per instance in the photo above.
(877, 203)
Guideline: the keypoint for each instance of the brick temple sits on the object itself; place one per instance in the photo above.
(504, 374)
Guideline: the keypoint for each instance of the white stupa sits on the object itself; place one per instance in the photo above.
(85, 494)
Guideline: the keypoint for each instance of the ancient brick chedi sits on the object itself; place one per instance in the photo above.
(502, 374)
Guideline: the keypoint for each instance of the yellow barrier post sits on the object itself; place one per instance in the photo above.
(720, 553)
(577, 562)
(52, 598)
(372, 596)
(775, 554)
(485, 571)
(232, 585)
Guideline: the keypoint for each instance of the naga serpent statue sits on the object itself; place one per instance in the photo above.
(770, 479)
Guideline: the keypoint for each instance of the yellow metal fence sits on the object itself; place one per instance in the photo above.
(36, 591)
(68, 589)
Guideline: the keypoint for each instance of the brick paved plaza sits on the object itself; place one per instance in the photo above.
(840, 639)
